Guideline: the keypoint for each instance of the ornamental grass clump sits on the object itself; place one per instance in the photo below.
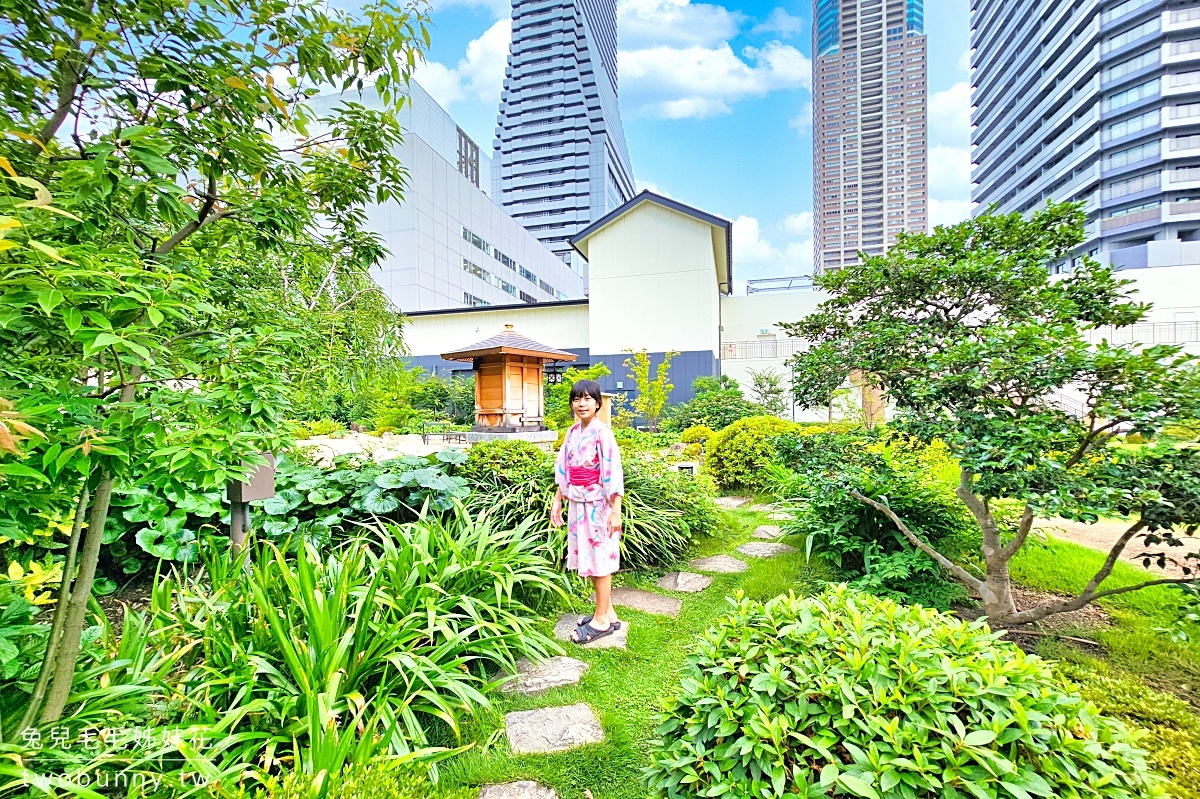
(845, 694)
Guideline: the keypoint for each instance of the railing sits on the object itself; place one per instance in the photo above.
(1149, 215)
(1186, 14)
(762, 349)
(1149, 333)
(798, 283)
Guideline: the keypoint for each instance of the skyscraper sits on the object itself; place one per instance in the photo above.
(1097, 102)
(560, 156)
(869, 127)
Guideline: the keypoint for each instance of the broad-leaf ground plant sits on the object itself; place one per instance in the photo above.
(155, 159)
(976, 344)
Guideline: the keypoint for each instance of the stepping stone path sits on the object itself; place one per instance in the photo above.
(719, 564)
(684, 581)
(517, 790)
(645, 601)
(729, 503)
(768, 532)
(777, 516)
(552, 729)
(759, 550)
(532, 679)
(566, 627)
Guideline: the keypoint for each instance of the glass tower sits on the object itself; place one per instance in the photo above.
(560, 156)
(1096, 101)
(869, 127)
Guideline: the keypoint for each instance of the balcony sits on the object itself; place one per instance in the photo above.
(763, 349)
(1148, 333)
(1136, 218)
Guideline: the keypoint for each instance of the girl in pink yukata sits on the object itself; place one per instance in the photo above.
(588, 473)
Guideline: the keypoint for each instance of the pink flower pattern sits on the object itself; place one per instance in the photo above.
(591, 549)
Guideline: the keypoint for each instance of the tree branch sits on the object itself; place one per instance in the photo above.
(958, 571)
(73, 66)
(1022, 533)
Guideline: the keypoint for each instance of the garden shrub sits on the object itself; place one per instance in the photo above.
(662, 510)
(320, 427)
(851, 695)
(697, 434)
(715, 409)
(738, 455)
(510, 462)
(379, 779)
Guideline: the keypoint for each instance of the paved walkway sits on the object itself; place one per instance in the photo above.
(1102, 535)
(564, 727)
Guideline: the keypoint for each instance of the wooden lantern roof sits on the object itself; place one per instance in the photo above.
(509, 342)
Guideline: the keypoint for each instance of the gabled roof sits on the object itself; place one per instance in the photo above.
(509, 342)
(722, 232)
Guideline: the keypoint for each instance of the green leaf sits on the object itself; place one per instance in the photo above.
(72, 318)
(20, 470)
(979, 738)
(324, 496)
(49, 299)
(857, 786)
(103, 586)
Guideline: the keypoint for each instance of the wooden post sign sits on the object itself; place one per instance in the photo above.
(261, 486)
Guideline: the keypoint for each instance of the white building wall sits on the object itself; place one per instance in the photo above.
(563, 327)
(653, 283)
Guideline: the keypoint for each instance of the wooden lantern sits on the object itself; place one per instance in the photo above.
(508, 380)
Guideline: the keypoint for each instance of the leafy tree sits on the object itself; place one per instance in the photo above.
(767, 389)
(652, 392)
(160, 160)
(558, 395)
(976, 344)
(707, 383)
(715, 409)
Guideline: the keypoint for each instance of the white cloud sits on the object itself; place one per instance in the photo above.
(949, 173)
(499, 9)
(646, 185)
(674, 22)
(780, 22)
(947, 212)
(479, 74)
(950, 115)
(964, 61)
(802, 122)
(755, 256)
(698, 82)
(800, 224)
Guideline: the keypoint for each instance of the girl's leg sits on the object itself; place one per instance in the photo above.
(604, 609)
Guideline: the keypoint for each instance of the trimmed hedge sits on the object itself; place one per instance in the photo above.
(739, 455)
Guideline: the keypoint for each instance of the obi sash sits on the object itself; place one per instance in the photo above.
(583, 475)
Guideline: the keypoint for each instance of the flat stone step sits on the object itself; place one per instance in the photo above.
(645, 601)
(552, 729)
(768, 532)
(756, 549)
(566, 626)
(684, 581)
(729, 503)
(532, 679)
(526, 789)
(777, 516)
(719, 564)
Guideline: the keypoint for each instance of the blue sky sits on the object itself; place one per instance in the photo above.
(716, 107)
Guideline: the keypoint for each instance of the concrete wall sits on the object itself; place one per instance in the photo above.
(744, 318)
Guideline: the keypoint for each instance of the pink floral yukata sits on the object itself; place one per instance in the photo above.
(591, 549)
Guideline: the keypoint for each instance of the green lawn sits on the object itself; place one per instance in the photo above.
(624, 688)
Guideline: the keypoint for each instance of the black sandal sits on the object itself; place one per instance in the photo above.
(586, 633)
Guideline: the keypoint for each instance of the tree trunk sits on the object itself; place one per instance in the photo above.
(68, 645)
(996, 591)
(60, 612)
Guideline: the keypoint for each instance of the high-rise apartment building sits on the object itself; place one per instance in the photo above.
(869, 127)
(560, 156)
(1096, 101)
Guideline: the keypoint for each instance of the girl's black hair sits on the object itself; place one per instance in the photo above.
(588, 388)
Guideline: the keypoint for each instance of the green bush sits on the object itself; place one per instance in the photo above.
(509, 462)
(697, 434)
(850, 695)
(862, 543)
(320, 427)
(738, 456)
(662, 510)
(635, 442)
(716, 409)
(379, 779)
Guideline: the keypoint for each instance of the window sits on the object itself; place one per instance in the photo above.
(1132, 125)
(476, 270)
(1133, 185)
(528, 298)
(1131, 65)
(1185, 47)
(1148, 27)
(468, 157)
(1132, 155)
(1132, 95)
(474, 302)
(1134, 209)
(1121, 9)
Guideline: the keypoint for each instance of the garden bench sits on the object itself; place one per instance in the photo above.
(431, 429)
